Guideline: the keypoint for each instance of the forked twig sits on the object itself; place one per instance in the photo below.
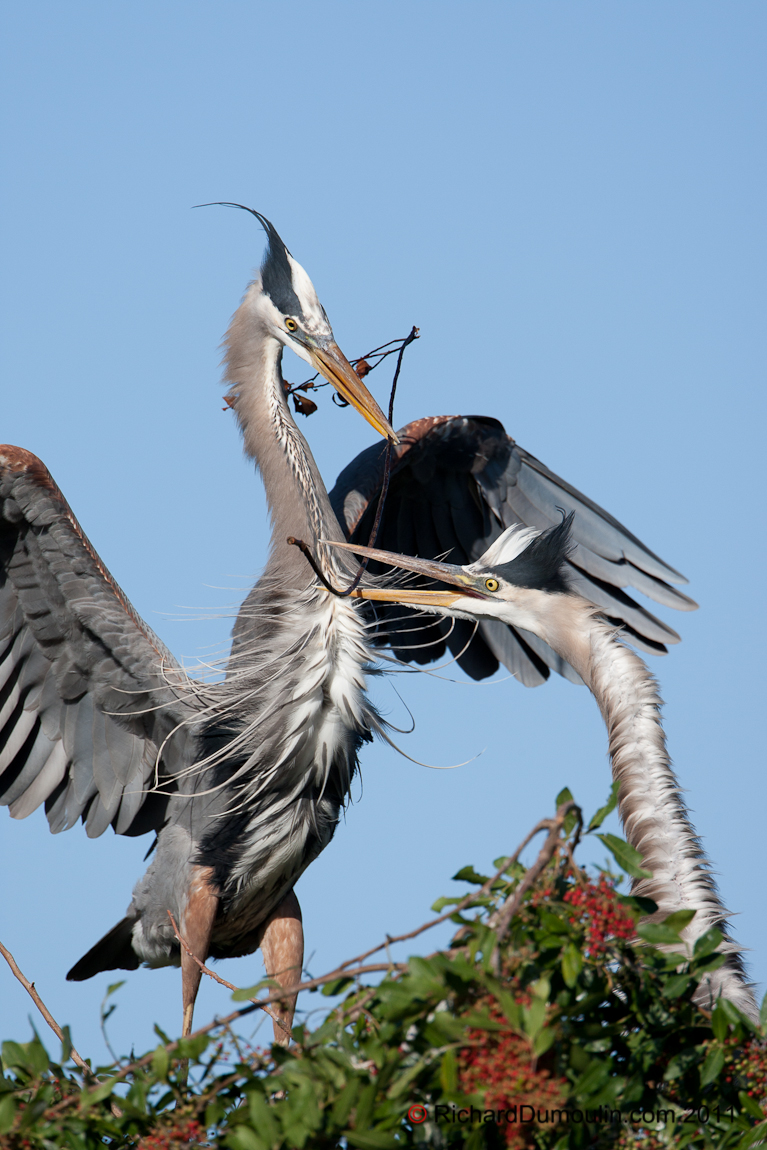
(33, 994)
(304, 548)
(506, 913)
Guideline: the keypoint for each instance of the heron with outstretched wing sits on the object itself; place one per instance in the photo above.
(242, 781)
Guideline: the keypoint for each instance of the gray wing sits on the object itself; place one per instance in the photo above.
(457, 482)
(92, 713)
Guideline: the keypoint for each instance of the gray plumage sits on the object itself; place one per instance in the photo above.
(457, 483)
(243, 780)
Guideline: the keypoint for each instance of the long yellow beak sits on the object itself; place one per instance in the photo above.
(331, 362)
(444, 572)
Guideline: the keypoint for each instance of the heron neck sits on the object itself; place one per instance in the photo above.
(652, 810)
(297, 499)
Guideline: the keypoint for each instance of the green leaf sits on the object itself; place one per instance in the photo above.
(763, 1013)
(751, 1106)
(707, 965)
(707, 943)
(594, 1079)
(543, 1040)
(442, 902)
(712, 1067)
(626, 856)
(553, 923)
(564, 796)
(679, 919)
(262, 1117)
(534, 1017)
(658, 934)
(719, 1022)
(676, 985)
(599, 816)
(511, 1008)
(243, 1138)
(66, 1044)
(29, 1056)
(572, 964)
(91, 1097)
(7, 1112)
(638, 903)
(337, 986)
(160, 1062)
(468, 874)
(448, 1074)
(245, 993)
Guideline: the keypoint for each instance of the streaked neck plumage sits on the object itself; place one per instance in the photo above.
(651, 807)
(298, 501)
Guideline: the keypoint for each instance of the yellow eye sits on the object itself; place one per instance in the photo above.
(291, 325)
(491, 584)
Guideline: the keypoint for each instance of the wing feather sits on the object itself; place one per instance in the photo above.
(87, 692)
(457, 483)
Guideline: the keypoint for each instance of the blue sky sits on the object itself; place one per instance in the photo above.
(568, 200)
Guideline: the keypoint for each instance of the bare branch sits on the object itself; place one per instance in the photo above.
(32, 992)
(513, 902)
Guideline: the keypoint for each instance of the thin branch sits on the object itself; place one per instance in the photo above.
(31, 991)
(513, 902)
(354, 967)
(304, 548)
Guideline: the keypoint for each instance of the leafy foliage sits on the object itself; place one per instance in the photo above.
(576, 1029)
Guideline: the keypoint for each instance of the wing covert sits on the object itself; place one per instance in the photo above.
(457, 482)
(91, 702)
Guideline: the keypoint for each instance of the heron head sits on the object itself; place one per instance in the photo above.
(510, 582)
(284, 304)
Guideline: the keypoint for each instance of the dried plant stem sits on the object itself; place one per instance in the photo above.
(32, 992)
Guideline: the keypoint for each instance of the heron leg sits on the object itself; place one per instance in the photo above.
(282, 945)
(196, 927)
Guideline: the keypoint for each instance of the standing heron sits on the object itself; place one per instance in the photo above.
(242, 781)
(523, 581)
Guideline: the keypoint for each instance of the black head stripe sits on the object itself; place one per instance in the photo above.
(276, 278)
(542, 564)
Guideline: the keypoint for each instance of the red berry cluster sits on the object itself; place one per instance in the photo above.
(598, 910)
(745, 1064)
(502, 1068)
(179, 1137)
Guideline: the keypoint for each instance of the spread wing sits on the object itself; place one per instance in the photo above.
(456, 483)
(92, 713)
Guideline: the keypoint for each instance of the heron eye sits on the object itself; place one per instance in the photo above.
(291, 325)
(491, 584)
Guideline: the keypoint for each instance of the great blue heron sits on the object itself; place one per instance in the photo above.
(243, 781)
(524, 581)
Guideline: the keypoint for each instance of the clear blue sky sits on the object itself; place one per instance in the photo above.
(569, 201)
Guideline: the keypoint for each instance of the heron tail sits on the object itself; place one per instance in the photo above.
(112, 952)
